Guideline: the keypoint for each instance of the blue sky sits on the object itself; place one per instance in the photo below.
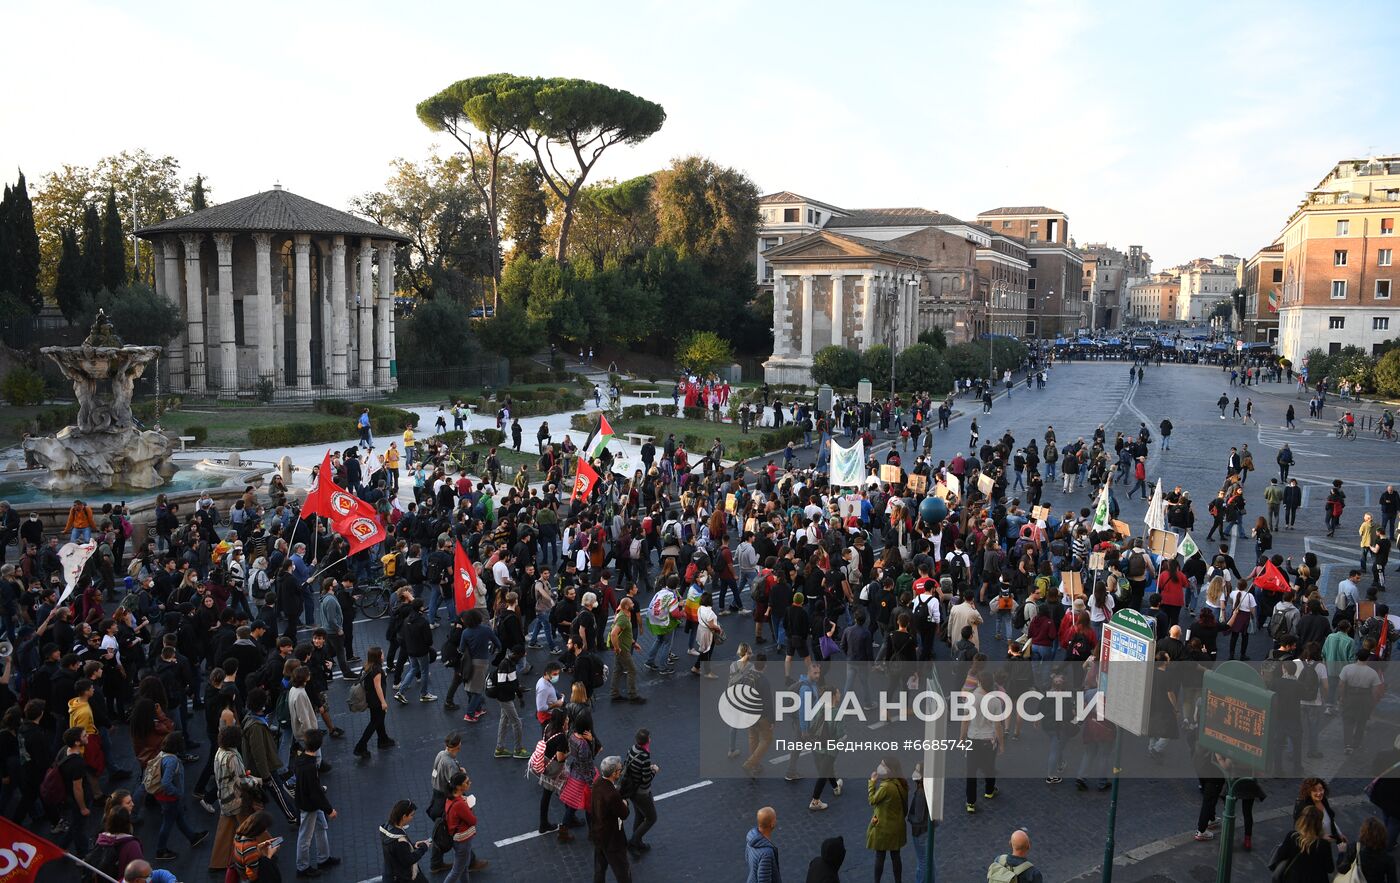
(1190, 128)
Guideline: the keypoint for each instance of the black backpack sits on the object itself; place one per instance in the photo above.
(1308, 682)
(105, 858)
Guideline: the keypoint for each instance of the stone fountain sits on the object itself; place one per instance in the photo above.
(105, 448)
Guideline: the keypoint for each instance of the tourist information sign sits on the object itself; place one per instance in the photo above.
(1235, 718)
(1130, 646)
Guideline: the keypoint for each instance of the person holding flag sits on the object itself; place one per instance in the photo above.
(1271, 582)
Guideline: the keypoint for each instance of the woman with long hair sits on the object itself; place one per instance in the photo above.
(252, 843)
(234, 807)
(552, 774)
(888, 794)
(1377, 864)
(373, 679)
(1305, 856)
(1315, 792)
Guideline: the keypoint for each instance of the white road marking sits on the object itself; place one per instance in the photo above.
(521, 838)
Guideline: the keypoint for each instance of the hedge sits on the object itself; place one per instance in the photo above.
(490, 437)
(200, 433)
(382, 418)
(537, 408)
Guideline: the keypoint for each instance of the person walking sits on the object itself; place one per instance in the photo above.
(459, 817)
(417, 637)
(314, 808)
(623, 645)
(888, 794)
(987, 739)
(233, 779)
(760, 854)
(638, 774)
(1284, 459)
(1305, 855)
(401, 855)
(1273, 499)
(169, 795)
(607, 817)
(375, 683)
(1292, 500)
(445, 766)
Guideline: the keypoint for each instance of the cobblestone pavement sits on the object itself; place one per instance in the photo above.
(702, 822)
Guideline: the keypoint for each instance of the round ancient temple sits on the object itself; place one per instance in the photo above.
(277, 289)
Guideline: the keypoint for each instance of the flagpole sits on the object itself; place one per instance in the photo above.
(80, 863)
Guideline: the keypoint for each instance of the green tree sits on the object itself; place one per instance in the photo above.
(836, 366)
(921, 368)
(436, 335)
(437, 207)
(568, 124)
(875, 366)
(702, 352)
(7, 242)
(69, 285)
(613, 222)
(24, 247)
(113, 245)
(510, 332)
(1354, 364)
(198, 202)
(16, 321)
(92, 250)
(138, 314)
(935, 338)
(527, 212)
(967, 359)
(484, 116)
(1388, 374)
(1318, 364)
(22, 386)
(1222, 311)
(708, 211)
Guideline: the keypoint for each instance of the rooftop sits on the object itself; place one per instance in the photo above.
(894, 217)
(1020, 210)
(788, 197)
(272, 211)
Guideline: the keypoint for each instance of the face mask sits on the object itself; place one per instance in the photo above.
(882, 771)
(554, 679)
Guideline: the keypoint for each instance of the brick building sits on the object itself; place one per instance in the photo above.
(1055, 303)
(1261, 277)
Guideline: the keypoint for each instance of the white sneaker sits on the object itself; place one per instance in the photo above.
(693, 652)
(836, 792)
(816, 806)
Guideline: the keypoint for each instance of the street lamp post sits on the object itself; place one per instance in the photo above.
(894, 312)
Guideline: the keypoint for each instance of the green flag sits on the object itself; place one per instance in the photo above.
(1101, 519)
(1187, 547)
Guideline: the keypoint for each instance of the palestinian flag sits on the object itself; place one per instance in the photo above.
(598, 441)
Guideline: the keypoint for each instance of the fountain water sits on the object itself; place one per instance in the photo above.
(105, 448)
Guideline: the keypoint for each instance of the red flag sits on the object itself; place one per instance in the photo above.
(585, 479)
(1271, 579)
(23, 853)
(318, 498)
(353, 519)
(465, 583)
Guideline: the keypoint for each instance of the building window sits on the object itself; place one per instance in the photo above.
(1030, 327)
(1333, 348)
(1344, 228)
(1383, 257)
(1339, 257)
(1032, 262)
(1030, 303)
(1387, 226)
(1006, 225)
(792, 215)
(810, 220)
(1380, 323)
(1030, 285)
(1339, 289)
(1382, 289)
(819, 217)
(1336, 323)
(1278, 275)
(1034, 237)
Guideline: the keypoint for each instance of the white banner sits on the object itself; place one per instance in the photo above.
(847, 464)
(74, 557)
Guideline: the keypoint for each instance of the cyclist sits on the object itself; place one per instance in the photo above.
(1347, 426)
(1387, 424)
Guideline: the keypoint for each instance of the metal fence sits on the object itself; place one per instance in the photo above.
(313, 386)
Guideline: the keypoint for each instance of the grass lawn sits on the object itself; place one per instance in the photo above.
(508, 457)
(228, 427)
(728, 432)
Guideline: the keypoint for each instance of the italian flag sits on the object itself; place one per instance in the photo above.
(598, 441)
(1273, 301)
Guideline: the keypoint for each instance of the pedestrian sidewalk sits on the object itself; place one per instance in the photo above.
(1183, 859)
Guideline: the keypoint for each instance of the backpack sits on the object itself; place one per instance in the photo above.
(1000, 871)
(154, 772)
(1005, 602)
(1078, 646)
(1278, 625)
(1308, 682)
(760, 591)
(1137, 566)
(104, 858)
(1018, 618)
(52, 790)
(922, 620)
(957, 569)
(357, 700)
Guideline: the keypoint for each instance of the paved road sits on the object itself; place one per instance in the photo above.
(703, 821)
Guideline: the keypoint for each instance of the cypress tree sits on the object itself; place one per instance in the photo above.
(7, 242)
(68, 286)
(25, 270)
(90, 277)
(113, 245)
(197, 202)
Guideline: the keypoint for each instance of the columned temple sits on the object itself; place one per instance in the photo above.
(274, 287)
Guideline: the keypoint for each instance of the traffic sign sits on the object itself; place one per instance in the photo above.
(1129, 652)
(1235, 719)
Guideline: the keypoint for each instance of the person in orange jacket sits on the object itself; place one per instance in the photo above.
(79, 524)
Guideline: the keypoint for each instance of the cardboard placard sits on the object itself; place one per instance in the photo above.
(954, 484)
(1096, 561)
(1071, 584)
(1121, 528)
(918, 483)
(731, 503)
(890, 473)
(985, 483)
(942, 491)
(1040, 513)
(1365, 610)
(1161, 542)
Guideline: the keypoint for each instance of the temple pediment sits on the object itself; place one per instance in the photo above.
(827, 245)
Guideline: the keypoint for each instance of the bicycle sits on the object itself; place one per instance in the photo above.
(1346, 430)
(373, 599)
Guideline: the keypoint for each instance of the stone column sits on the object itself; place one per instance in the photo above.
(867, 311)
(781, 338)
(365, 308)
(340, 330)
(194, 311)
(384, 315)
(168, 250)
(914, 318)
(807, 313)
(262, 245)
(838, 306)
(302, 247)
(228, 341)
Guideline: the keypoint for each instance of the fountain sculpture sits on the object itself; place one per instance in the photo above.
(105, 448)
